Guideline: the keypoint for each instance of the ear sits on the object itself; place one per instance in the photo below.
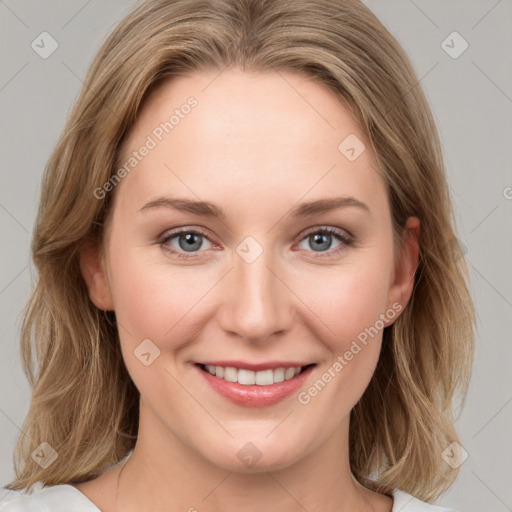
(93, 271)
(406, 265)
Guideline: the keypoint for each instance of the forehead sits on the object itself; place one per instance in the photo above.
(268, 135)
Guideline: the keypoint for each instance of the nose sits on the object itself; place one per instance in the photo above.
(256, 303)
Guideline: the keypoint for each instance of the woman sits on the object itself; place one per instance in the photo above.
(195, 349)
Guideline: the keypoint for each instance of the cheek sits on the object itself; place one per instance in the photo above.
(349, 306)
(154, 300)
(348, 300)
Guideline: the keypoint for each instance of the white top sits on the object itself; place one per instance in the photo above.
(66, 498)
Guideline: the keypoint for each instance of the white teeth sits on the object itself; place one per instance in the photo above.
(279, 375)
(230, 374)
(248, 377)
(264, 378)
(289, 373)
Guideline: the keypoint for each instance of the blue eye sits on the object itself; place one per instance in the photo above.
(320, 240)
(189, 241)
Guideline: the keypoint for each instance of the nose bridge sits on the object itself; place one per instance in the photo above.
(256, 305)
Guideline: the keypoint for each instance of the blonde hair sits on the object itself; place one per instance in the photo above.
(84, 403)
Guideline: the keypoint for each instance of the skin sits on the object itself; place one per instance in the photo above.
(255, 145)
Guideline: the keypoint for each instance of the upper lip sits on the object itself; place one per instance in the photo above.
(255, 367)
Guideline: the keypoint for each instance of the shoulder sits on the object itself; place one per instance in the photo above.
(404, 502)
(55, 498)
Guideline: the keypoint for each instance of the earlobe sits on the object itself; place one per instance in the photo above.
(405, 268)
(93, 271)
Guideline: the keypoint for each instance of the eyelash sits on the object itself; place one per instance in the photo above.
(346, 239)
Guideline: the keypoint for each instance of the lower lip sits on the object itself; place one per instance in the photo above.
(255, 396)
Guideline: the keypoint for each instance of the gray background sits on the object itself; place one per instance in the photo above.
(471, 97)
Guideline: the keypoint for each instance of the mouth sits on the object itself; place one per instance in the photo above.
(247, 377)
(259, 386)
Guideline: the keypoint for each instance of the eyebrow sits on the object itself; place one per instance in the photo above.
(207, 209)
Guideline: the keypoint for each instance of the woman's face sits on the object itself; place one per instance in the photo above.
(297, 271)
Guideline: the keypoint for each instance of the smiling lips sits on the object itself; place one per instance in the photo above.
(254, 385)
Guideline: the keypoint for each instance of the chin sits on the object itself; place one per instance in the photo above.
(274, 462)
(256, 456)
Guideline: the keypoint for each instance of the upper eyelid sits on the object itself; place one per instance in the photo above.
(330, 229)
(178, 231)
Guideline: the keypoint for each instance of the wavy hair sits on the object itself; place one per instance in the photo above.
(84, 403)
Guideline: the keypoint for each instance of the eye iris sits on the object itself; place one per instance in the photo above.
(191, 243)
(321, 237)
